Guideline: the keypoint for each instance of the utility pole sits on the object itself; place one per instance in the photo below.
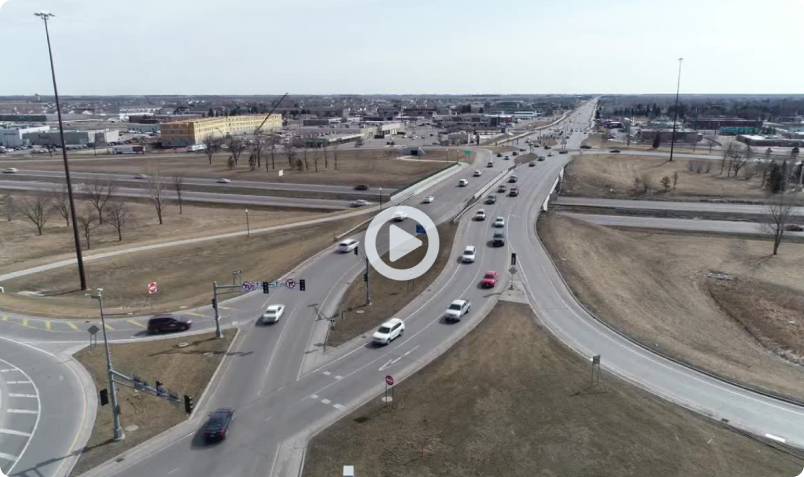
(218, 333)
(118, 429)
(248, 226)
(368, 285)
(78, 256)
(675, 111)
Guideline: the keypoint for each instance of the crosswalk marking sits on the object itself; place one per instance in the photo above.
(136, 323)
(72, 326)
(8, 457)
(33, 396)
(12, 432)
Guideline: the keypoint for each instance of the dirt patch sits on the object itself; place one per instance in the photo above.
(388, 296)
(526, 409)
(22, 248)
(184, 273)
(613, 176)
(375, 167)
(654, 287)
(183, 370)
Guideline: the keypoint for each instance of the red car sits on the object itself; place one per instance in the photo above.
(489, 279)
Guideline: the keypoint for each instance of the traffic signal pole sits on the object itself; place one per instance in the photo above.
(119, 435)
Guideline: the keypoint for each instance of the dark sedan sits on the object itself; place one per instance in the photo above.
(159, 323)
(217, 427)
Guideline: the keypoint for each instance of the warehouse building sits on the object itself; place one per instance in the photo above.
(14, 135)
(188, 132)
(73, 138)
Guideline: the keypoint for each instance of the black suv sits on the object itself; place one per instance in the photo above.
(514, 192)
(159, 323)
(491, 199)
(361, 187)
(498, 240)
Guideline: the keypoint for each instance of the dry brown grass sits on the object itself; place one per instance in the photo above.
(388, 296)
(656, 288)
(184, 273)
(525, 409)
(612, 176)
(355, 166)
(183, 370)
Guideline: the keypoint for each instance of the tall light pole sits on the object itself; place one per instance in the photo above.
(117, 428)
(78, 256)
(675, 111)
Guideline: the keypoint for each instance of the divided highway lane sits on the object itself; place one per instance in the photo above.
(193, 196)
(77, 177)
(43, 411)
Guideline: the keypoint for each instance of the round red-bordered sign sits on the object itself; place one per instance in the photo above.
(389, 380)
(290, 283)
(152, 288)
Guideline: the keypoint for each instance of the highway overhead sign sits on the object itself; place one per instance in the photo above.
(389, 380)
(152, 288)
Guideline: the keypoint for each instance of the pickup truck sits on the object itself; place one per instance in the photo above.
(457, 309)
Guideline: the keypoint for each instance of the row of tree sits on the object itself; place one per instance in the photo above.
(298, 157)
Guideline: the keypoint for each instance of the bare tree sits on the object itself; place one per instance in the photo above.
(156, 192)
(88, 222)
(213, 145)
(99, 192)
(236, 147)
(647, 183)
(257, 146)
(738, 161)
(324, 146)
(335, 155)
(304, 155)
(726, 153)
(61, 202)
(9, 203)
(778, 212)
(272, 142)
(119, 217)
(37, 209)
(178, 186)
(316, 157)
(290, 152)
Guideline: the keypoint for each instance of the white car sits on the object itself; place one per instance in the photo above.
(469, 254)
(141, 176)
(498, 222)
(273, 313)
(389, 331)
(428, 200)
(477, 174)
(360, 203)
(463, 183)
(348, 245)
(10, 170)
(223, 180)
(400, 215)
(457, 309)
(480, 214)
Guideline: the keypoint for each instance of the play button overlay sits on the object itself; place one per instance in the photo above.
(401, 243)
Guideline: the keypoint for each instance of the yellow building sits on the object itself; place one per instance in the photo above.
(187, 132)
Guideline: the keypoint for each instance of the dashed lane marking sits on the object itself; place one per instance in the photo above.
(314, 396)
(339, 407)
(12, 432)
(326, 373)
(326, 401)
(137, 323)
(75, 328)
(8, 457)
(18, 382)
(109, 328)
(22, 411)
(7, 370)
(339, 377)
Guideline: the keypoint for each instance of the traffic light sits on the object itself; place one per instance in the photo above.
(365, 277)
(214, 304)
(266, 286)
(513, 259)
(189, 405)
(357, 250)
(104, 397)
(301, 285)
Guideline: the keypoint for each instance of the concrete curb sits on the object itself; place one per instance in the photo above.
(91, 404)
(136, 454)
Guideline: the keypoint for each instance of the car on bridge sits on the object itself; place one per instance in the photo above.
(457, 309)
(217, 427)
(273, 313)
(615, 151)
(362, 187)
(491, 199)
(388, 331)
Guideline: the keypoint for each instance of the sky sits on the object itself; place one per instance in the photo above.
(187, 47)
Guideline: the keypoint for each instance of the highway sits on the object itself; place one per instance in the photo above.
(79, 177)
(193, 196)
(658, 205)
(285, 388)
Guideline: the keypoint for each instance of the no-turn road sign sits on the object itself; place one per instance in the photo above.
(246, 287)
(389, 380)
(290, 283)
(152, 288)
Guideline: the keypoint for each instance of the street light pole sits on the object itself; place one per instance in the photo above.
(675, 111)
(78, 255)
(380, 199)
(248, 226)
(119, 435)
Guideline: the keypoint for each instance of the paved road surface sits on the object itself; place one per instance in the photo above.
(79, 177)
(191, 196)
(721, 208)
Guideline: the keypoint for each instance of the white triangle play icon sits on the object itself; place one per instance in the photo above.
(401, 243)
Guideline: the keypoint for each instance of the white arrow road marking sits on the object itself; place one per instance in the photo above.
(390, 363)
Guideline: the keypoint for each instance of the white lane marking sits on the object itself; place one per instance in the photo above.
(8, 457)
(411, 350)
(12, 432)
(273, 353)
(339, 407)
(385, 365)
(234, 323)
(776, 438)
(174, 470)
(32, 396)
(339, 377)
(276, 454)
(19, 382)
(326, 373)
(326, 401)
(22, 411)
(314, 396)
(8, 370)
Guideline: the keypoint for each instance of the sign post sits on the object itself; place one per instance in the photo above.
(389, 384)
(597, 377)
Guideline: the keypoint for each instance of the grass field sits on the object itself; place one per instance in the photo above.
(184, 273)
(664, 290)
(355, 166)
(183, 370)
(509, 400)
(596, 141)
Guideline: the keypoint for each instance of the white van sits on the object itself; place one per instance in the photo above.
(348, 245)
